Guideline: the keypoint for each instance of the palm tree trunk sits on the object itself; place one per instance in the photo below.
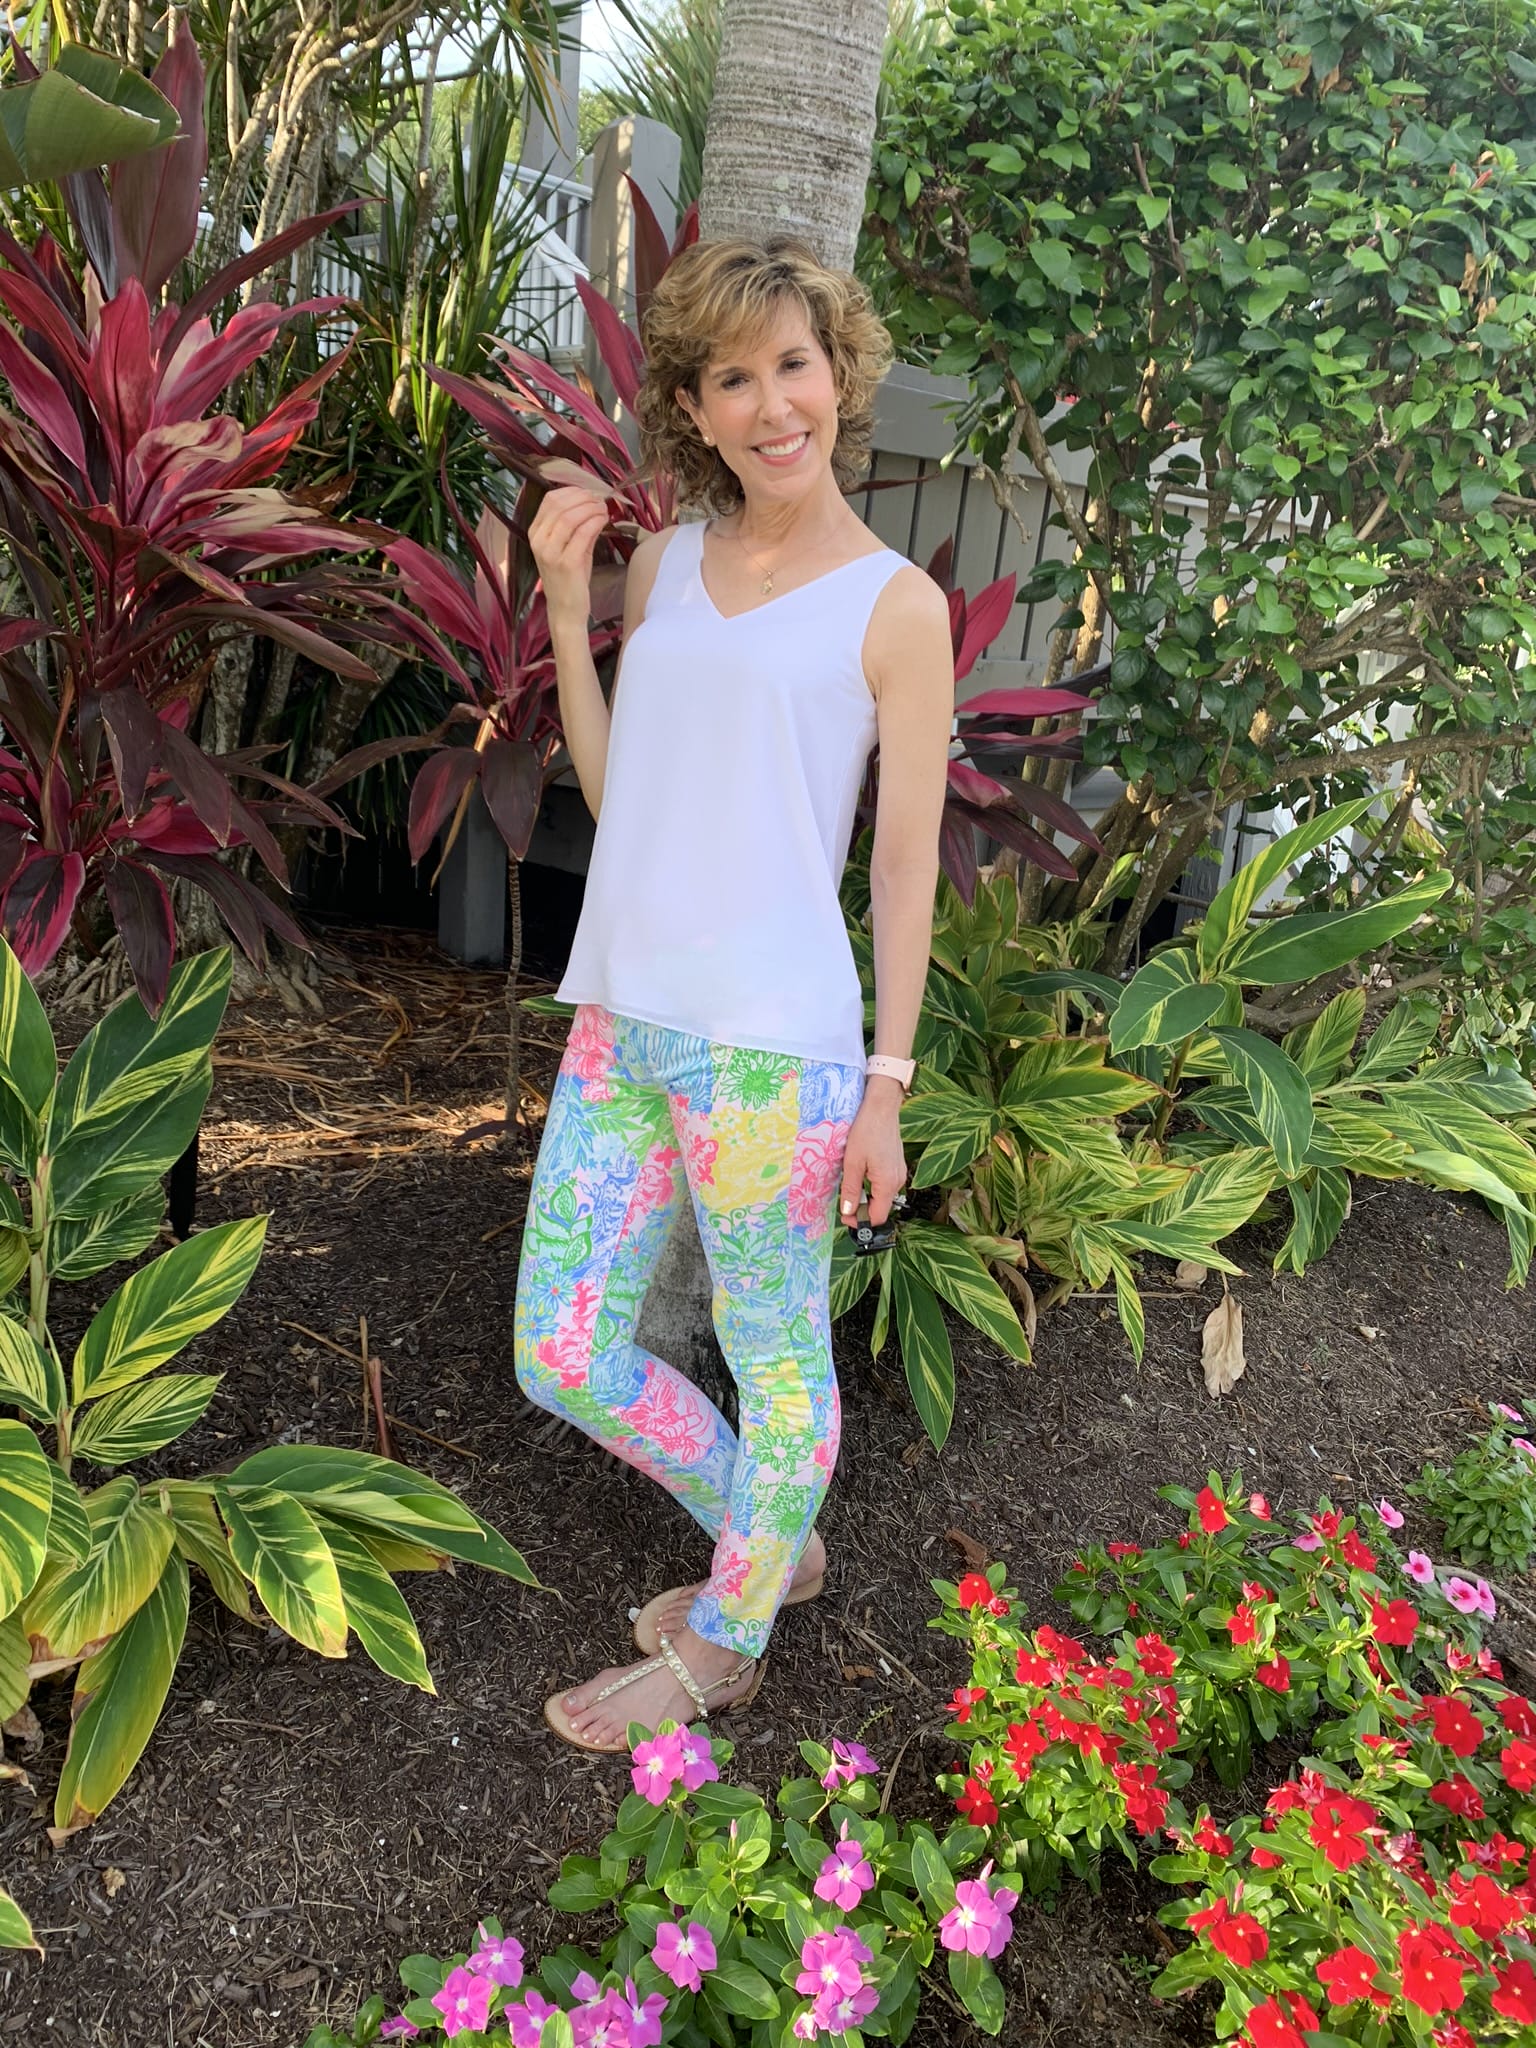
(792, 122)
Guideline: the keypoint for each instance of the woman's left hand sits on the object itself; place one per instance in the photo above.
(875, 1153)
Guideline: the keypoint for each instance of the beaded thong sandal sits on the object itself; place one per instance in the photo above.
(647, 1619)
(557, 1717)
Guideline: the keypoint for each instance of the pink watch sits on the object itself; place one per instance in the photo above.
(896, 1070)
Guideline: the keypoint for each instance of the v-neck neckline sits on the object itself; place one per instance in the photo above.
(730, 618)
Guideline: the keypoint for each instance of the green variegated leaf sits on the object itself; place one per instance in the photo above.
(967, 1132)
(955, 1002)
(1068, 1078)
(26, 1502)
(15, 1927)
(73, 1605)
(1102, 990)
(201, 1539)
(929, 1112)
(1520, 1224)
(926, 1355)
(1425, 1113)
(30, 1378)
(1461, 1171)
(1399, 1041)
(881, 1323)
(1321, 1047)
(375, 1609)
(137, 1420)
(1164, 1002)
(1278, 1092)
(393, 1552)
(1298, 949)
(276, 1542)
(1128, 1304)
(119, 1694)
(15, 1257)
(15, 1657)
(942, 1260)
(1227, 919)
(851, 1274)
(129, 1101)
(29, 1065)
(385, 1496)
(165, 1305)
(1169, 1241)
(1354, 1138)
(80, 1248)
(10, 1204)
(1318, 1202)
(69, 1526)
(1218, 1198)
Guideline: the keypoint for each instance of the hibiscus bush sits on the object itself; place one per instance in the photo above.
(1487, 1500)
(730, 1922)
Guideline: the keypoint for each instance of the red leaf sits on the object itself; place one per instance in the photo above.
(957, 854)
(256, 260)
(205, 787)
(978, 788)
(651, 253)
(512, 785)
(133, 738)
(39, 904)
(14, 838)
(441, 592)
(22, 632)
(439, 784)
(1022, 703)
(617, 343)
(942, 565)
(167, 827)
(369, 755)
(204, 364)
(255, 618)
(141, 910)
(1057, 813)
(247, 910)
(985, 617)
(41, 399)
(1024, 839)
(120, 376)
(27, 301)
(155, 196)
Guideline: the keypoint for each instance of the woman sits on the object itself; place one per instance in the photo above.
(718, 1048)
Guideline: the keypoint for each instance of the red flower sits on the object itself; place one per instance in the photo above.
(998, 1605)
(1032, 1670)
(1238, 1936)
(1254, 1593)
(1498, 1853)
(1119, 1550)
(1132, 1609)
(1358, 1554)
(1185, 1539)
(1093, 1740)
(1516, 1995)
(1209, 1837)
(1432, 1963)
(1518, 1715)
(1348, 1974)
(1482, 1905)
(1282, 2025)
(977, 1804)
(1162, 1731)
(1338, 1824)
(1326, 1525)
(1241, 1626)
(1024, 1742)
(1145, 1800)
(1394, 1625)
(975, 1590)
(1266, 1859)
(1155, 1656)
(1277, 1675)
(1063, 1649)
(1258, 1505)
(965, 1700)
(1456, 1727)
(1458, 1795)
(1452, 2034)
(1211, 1509)
(1286, 1797)
(1517, 1760)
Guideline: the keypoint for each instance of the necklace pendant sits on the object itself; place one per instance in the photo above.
(768, 584)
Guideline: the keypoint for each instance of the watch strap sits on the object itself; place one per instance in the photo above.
(895, 1069)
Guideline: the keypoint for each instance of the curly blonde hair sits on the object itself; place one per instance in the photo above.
(716, 295)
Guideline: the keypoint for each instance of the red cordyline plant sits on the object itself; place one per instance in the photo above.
(146, 531)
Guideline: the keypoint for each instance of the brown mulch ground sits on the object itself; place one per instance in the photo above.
(296, 1826)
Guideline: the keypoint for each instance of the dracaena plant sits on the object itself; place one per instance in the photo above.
(143, 531)
(94, 1560)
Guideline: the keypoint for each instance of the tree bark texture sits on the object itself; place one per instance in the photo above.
(792, 122)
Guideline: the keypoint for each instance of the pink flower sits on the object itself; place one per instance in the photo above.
(526, 2019)
(464, 2002)
(1462, 1595)
(498, 1957)
(1307, 1541)
(981, 1921)
(1487, 1606)
(683, 1956)
(829, 1964)
(805, 2027)
(837, 2015)
(645, 2015)
(603, 2023)
(1389, 1514)
(1523, 1443)
(845, 1876)
(658, 1764)
(399, 2029)
(1420, 1568)
(850, 1760)
(699, 1766)
(1258, 1505)
(1509, 1414)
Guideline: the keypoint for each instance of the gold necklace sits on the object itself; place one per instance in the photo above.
(766, 574)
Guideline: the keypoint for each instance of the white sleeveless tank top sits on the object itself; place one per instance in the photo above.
(735, 755)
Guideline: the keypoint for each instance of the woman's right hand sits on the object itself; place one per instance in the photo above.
(563, 536)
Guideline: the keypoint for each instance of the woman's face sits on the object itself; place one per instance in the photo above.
(770, 407)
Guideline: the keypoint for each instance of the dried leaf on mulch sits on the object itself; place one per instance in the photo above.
(1221, 1346)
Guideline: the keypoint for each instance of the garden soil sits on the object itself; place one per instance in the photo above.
(296, 1826)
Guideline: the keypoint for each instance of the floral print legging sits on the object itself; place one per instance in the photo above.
(641, 1115)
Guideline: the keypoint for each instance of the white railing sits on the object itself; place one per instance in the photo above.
(545, 302)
